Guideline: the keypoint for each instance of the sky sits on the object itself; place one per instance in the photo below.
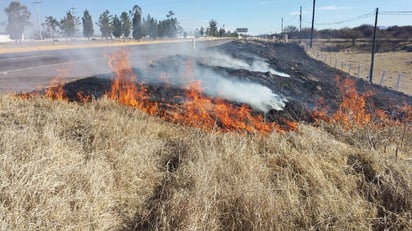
(259, 16)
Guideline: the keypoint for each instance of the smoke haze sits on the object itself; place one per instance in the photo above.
(216, 84)
(173, 69)
(219, 59)
(257, 96)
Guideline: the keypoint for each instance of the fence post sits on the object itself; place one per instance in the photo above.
(350, 68)
(398, 84)
(343, 64)
(383, 77)
(336, 62)
(359, 70)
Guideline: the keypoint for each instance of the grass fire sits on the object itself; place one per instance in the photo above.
(262, 139)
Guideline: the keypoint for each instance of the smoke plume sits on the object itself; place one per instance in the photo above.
(257, 96)
(173, 69)
(256, 64)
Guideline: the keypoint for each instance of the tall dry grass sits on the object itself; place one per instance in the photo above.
(101, 166)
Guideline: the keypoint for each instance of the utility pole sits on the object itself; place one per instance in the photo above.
(373, 45)
(313, 23)
(300, 20)
(281, 26)
(38, 18)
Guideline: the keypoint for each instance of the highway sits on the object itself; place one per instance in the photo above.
(25, 71)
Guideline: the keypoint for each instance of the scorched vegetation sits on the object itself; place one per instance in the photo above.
(131, 160)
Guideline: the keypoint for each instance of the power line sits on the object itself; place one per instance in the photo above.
(395, 12)
(368, 15)
(292, 18)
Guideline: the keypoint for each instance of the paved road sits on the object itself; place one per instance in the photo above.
(26, 71)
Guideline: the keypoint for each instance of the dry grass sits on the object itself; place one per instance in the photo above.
(392, 63)
(101, 166)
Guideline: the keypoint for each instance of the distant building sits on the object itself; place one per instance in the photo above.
(5, 38)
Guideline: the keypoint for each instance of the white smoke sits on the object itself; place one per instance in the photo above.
(220, 85)
(263, 66)
(256, 95)
(215, 84)
(223, 60)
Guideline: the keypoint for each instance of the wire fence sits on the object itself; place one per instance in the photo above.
(394, 79)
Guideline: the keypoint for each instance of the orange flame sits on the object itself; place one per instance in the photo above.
(82, 97)
(352, 110)
(407, 113)
(124, 89)
(320, 112)
(165, 78)
(55, 90)
(198, 110)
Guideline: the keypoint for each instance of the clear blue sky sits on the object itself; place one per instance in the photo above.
(260, 16)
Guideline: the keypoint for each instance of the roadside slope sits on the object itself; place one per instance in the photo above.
(104, 166)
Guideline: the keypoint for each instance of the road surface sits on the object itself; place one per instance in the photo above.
(22, 70)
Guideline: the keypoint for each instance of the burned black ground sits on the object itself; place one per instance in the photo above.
(309, 81)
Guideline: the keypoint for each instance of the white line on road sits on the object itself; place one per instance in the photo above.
(47, 65)
(22, 57)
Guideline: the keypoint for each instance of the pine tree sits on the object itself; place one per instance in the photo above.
(52, 24)
(126, 24)
(88, 30)
(68, 24)
(117, 27)
(212, 30)
(137, 23)
(104, 24)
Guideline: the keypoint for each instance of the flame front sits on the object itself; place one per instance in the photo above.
(197, 110)
(124, 89)
(352, 110)
(54, 91)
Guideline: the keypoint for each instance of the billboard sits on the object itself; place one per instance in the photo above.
(241, 30)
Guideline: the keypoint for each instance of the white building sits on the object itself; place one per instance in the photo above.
(5, 38)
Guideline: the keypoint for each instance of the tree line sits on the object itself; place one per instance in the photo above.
(213, 30)
(127, 25)
(359, 32)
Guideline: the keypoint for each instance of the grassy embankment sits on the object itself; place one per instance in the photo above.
(102, 166)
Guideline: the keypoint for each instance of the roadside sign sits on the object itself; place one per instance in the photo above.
(241, 30)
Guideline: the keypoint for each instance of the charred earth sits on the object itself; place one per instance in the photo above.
(237, 72)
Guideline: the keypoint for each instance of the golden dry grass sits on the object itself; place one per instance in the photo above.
(101, 166)
(392, 63)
